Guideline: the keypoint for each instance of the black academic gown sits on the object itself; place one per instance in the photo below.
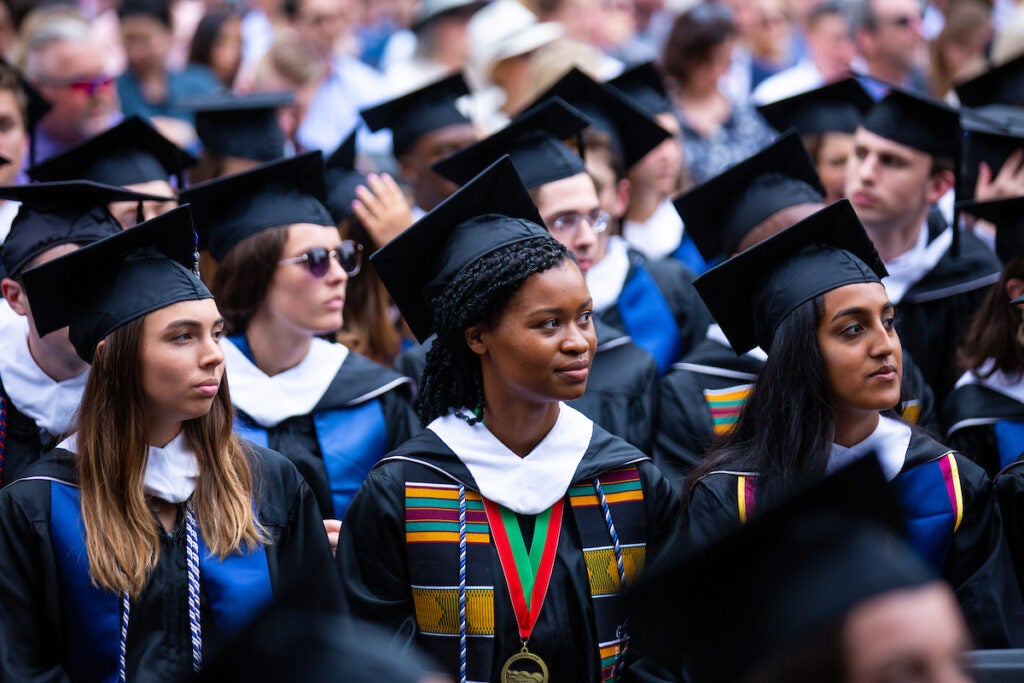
(985, 425)
(23, 440)
(622, 390)
(364, 413)
(373, 561)
(934, 313)
(41, 639)
(674, 283)
(977, 564)
(710, 373)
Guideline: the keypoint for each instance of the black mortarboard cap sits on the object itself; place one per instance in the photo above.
(920, 122)
(1003, 84)
(632, 131)
(1007, 215)
(838, 107)
(229, 209)
(754, 291)
(131, 152)
(983, 144)
(38, 107)
(51, 214)
(243, 126)
(534, 140)
(342, 178)
(489, 212)
(417, 113)
(738, 604)
(644, 86)
(719, 213)
(98, 288)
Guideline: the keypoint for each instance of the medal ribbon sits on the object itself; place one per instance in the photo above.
(526, 573)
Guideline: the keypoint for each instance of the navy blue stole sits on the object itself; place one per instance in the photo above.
(648, 319)
(1009, 440)
(933, 502)
(689, 255)
(236, 588)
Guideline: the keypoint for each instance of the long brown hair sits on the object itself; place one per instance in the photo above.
(122, 539)
(243, 276)
(992, 332)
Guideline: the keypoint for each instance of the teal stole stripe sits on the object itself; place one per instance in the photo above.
(352, 440)
(689, 255)
(1010, 441)
(649, 320)
(236, 588)
(931, 517)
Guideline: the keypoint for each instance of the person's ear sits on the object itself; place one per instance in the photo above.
(101, 349)
(14, 293)
(1014, 288)
(476, 339)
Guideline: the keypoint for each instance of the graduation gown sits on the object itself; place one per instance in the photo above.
(985, 424)
(933, 314)
(23, 440)
(391, 578)
(57, 627)
(622, 390)
(361, 414)
(701, 399)
(659, 309)
(954, 524)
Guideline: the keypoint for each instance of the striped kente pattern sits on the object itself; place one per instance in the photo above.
(437, 610)
(725, 405)
(603, 571)
(620, 486)
(432, 515)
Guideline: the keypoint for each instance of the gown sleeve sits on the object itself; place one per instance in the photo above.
(711, 512)
(684, 428)
(979, 567)
(29, 645)
(401, 420)
(979, 444)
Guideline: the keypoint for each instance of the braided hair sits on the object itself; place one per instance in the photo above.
(477, 295)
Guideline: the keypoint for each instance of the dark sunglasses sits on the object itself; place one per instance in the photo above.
(349, 255)
(86, 86)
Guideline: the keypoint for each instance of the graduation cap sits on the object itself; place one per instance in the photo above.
(719, 213)
(534, 141)
(983, 144)
(229, 209)
(644, 86)
(633, 132)
(1003, 84)
(100, 287)
(51, 214)
(417, 113)
(38, 107)
(794, 570)
(1007, 215)
(243, 126)
(838, 107)
(491, 211)
(754, 291)
(923, 123)
(131, 152)
(342, 178)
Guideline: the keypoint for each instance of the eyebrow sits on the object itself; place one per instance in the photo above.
(555, 309)
(860, 310)
(191, 323)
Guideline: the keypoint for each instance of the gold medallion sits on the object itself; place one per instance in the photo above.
(524, 667)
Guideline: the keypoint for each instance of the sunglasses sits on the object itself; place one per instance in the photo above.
(86, 86)
(317, 260)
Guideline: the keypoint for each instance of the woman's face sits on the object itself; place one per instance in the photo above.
(298, 300)
(147, 43)
(226, 51)
(830, 163)
(704, 77)
(181, 361)
(860, 347)
(539, 350)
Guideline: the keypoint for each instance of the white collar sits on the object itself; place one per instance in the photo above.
(606, 278)
(889, 442)
(909, 267)
(999, 381)
(171, 471)
(716, 334)
(296, 391)
(526, 485)
(51, 405)
(659, 235)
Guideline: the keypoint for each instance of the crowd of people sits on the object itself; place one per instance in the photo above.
(511, 340)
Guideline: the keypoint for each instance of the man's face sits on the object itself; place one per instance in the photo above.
(830, 46)
(897, 36)
(429, 188)
(13, 137)
(573, 196)
(322, 23)
(83, 97)
(889, 184)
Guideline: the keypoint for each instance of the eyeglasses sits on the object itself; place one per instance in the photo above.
(567, 224)
(904, 21)
(349, 255)
(86, 86)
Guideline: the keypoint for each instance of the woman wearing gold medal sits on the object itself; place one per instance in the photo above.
(498, 538)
